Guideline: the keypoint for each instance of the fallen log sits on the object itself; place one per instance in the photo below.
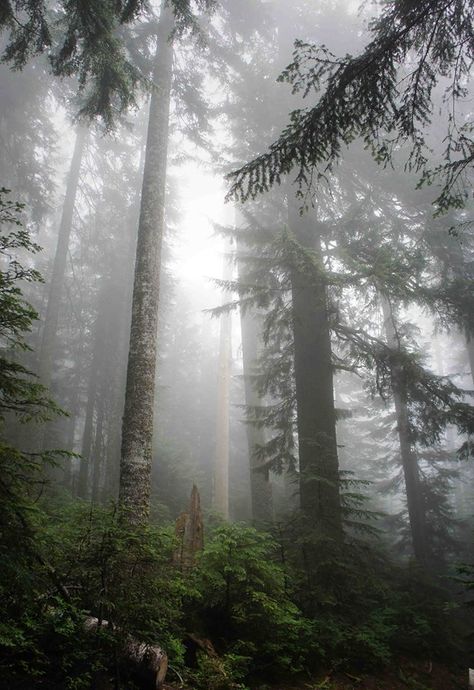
(148, 663)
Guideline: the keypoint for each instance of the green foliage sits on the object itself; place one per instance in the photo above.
(364, 96)
(93, 568)
(22, 397)
(20, 393)
(242, 595)
(125, 577)
(86, 39)
(219, 673)
(244, 604)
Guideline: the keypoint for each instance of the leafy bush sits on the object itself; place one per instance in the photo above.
(244, 603)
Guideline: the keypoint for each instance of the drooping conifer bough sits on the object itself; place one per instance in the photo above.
(384, 95)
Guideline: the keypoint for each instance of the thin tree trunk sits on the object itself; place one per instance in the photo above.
(98, 451)
(411, 472)
(71, 433)
(50, 328)
(220, 499)
(316, 418)
(137, 426)
(260, 486)
(470, 351)
(84, 466)
(98, 364)
(123, 289)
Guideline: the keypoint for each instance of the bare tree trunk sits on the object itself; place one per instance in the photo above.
(470, 351)
(123, 288)
(220, 499)
(84, 466)
(97, 372)
(316, 418)
(50, 328)
(260, 486)
(71, 433)
(98, 451)
(189, 530)
(411, 472)
(137, 426)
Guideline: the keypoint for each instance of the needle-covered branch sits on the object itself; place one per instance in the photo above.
(384, 96)
(86, 39)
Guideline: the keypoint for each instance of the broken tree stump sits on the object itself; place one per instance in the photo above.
(189, 531)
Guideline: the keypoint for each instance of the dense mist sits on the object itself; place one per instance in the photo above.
(236, 345)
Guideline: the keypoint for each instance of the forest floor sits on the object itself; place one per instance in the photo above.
(406, 676)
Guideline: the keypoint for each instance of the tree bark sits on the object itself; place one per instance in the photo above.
(411, 472)
(137, 426)
(260, 486)
(316, 418)
(123, 290)
(220, 499)
(189, 531)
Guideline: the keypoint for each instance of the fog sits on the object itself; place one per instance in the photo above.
(295, 339)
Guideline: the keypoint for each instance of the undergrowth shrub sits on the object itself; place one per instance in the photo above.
(244, 603)
(88, 566)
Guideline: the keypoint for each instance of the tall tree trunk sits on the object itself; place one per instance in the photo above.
(74, 405)
(260, 486)
(411, 472)
(84, 466)
(220, 499)
(98, 451)
(316, 418)
(50, 328)
(137, 426)
(470, 351)
(100, 357)
(123, 290)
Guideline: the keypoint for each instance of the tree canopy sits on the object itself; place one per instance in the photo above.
(385, 95)
(86, 39)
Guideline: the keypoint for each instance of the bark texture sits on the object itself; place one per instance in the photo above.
(316, 418)
(190, 533)
(411, 472)
(137, 427)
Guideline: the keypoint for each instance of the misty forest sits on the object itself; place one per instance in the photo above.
(236, 345)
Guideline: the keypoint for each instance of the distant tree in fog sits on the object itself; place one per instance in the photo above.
(50, 324)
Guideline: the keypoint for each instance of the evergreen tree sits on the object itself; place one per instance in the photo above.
(363, 97)
(137, 429)
(86, 40)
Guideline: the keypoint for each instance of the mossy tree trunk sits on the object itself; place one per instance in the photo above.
(137, 425)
